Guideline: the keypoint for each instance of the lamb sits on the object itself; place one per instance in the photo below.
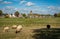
(19, 28)
(14, 26)
(6, 29)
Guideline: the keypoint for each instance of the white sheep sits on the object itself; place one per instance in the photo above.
(14, 26)
(19, 28)
(6, 29)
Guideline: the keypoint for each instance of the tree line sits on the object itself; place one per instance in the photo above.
(6, 14)
(57, 15)
(24, 15)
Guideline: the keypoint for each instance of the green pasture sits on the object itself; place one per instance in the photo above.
(30, 21)
(28, 25)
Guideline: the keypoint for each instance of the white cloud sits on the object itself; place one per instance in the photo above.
(25, 9)
(58, 8)
(17, 9)
(7, 8)
(26, 3)
(54, 9)
(10, 7)
(22, 2)
(6, 2)
(51, 7)
(30, 4)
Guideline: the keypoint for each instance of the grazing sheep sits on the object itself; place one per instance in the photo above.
(6, 29)
(48, 26)
(19, 28)
(14, 26)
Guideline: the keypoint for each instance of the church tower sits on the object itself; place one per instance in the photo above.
(30, 12)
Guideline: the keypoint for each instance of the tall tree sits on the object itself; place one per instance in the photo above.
(16, 14)
(1, 12)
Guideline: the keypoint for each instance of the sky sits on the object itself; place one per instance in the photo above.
(25, 6)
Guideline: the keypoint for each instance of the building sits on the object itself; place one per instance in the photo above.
(31, 15)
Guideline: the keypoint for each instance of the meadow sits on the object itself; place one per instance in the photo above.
(28, 21)
(28, 24)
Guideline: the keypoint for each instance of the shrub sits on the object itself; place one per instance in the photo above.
(6, 16)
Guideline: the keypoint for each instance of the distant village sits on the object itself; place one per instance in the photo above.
(30, 15)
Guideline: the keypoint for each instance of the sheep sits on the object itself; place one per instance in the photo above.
(14, 26)
(6, 29)
(19, 28)
(48, 26)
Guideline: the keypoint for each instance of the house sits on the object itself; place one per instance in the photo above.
(10, 15)
(20, 16)
(13, 16)
(31, 15)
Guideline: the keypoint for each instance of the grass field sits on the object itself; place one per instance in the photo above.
(40, 21)
(28, 25)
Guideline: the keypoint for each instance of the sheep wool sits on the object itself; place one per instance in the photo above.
(19, 28)
(14, 26)
(6, 29)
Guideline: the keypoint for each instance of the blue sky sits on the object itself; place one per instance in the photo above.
(25, 6)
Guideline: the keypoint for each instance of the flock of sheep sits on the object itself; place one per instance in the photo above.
(18, 28)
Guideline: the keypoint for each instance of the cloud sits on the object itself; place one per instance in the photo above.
(26, 3)
(17, 9)
(51, 7)
(6, 2)
(8, 9)
(58, 8)
(30, 4)
(36, 9)
(11, 8)
(54, 9)
(25, 9)
(23, 2)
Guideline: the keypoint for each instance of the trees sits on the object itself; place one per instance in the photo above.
(1, 12)
(58, 14)
(55, 15)
(24, 15)
(16, 14)
(6, 15)
(48, 14)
